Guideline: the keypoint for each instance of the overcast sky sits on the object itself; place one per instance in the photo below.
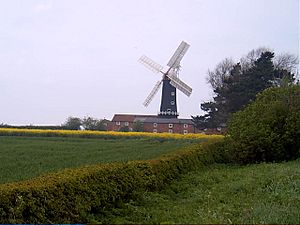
(61, 58)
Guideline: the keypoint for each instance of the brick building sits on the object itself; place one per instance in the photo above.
(151, 123)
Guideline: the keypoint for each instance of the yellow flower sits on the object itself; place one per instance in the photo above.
(100, 134)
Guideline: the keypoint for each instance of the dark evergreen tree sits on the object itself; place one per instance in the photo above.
(239, 88)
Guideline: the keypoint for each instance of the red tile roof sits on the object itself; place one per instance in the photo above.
(129, 117)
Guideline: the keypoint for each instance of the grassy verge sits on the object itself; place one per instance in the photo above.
(265, 193)
(26, 157)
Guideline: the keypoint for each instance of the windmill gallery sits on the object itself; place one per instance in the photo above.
(167, 119)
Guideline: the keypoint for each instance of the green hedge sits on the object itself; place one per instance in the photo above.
(68, 196)
(268, 129)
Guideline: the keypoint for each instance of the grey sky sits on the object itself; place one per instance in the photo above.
(61, 58)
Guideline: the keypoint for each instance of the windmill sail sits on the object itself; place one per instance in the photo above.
(152, 93)
(150, 64)
(179, 84)
(178, 55)
(170, 82)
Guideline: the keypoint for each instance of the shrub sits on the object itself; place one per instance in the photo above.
(268, 129)
(124, 129)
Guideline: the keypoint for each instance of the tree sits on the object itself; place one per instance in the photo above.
(101, 125)
(138, 126)
(90, 123)
(217, 76)
(268, 129)
(249, 59)
(124, 129)
(72, 123)
(287, 62)
(235, 85)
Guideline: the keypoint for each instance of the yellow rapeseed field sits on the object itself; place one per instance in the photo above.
(100, 134)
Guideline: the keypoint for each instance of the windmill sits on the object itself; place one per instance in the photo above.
(170, 82)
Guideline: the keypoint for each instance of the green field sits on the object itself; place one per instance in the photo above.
(26, 157)
(267, 193)
(256, 194)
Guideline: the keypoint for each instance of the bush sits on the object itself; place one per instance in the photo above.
(268, 129)
(124, 129)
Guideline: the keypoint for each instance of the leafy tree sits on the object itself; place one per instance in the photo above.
(138, 126)
(124, 129)
(72, 123)
(101, 125)
(90, 123)
(235, 85)
(268, 129)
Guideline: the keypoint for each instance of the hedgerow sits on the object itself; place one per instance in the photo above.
(268, 129)
(68, 196)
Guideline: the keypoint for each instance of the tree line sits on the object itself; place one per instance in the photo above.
(236, 84)
(71, 123)
(87, 123)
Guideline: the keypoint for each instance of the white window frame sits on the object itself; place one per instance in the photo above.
(185, 132)
(126, 124)
(154, 124)
(170, 125)
(185, 125)
(170, 131)
(118, 123)
(172, 93)
(172, 102)
(154, 130)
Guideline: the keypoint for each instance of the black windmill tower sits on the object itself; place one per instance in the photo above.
(170, 81)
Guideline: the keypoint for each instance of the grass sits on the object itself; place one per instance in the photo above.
(26, 157)
(264, 193)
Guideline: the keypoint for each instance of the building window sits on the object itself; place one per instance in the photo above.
(185, 131)
(170, 125)
(172, 103)
(172, 93)
(154, 124)
(118, 123)
(154, 130)
(126, 124)
(185, 125)
(170, 131)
